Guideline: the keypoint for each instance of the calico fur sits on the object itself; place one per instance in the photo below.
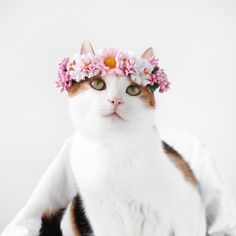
(79, 221)
(50, 223)
(128, 184)
(178, 160)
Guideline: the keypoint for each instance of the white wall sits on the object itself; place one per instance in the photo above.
(195, 41)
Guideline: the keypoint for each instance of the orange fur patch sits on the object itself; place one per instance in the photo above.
(72, 219)
(183, 166)
(147, 96)
(78, 87)
(47, 213)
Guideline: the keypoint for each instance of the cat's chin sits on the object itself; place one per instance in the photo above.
(113, 116)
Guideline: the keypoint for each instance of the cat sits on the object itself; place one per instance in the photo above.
(114, 176)
(129, 182)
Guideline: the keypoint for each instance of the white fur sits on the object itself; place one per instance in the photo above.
(129, 186)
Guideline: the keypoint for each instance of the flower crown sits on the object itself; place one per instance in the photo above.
(112, 61)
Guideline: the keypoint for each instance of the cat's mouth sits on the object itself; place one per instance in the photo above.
(114, 114)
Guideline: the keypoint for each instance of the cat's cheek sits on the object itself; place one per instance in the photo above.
(148, 97)
(78, 88)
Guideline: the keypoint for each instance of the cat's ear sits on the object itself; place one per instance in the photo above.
(148, 53)
(86, 47)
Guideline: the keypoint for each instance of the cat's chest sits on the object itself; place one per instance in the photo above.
(107, 164)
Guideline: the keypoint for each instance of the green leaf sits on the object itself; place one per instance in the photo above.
(153, 87)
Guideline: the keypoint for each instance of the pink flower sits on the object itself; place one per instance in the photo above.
(64, 80)
(164, 86)
(88, 67)
(160, 78)
(126, 64)
(84, 66)
(143, 71)
(112, 61)
(109, 60)
(154, 61)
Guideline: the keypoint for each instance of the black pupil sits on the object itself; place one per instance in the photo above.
(98, 83)
(134, 89)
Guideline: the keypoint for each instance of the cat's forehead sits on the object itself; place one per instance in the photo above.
(117, 81)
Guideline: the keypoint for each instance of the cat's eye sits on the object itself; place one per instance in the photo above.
(133, 90)
(98, 84)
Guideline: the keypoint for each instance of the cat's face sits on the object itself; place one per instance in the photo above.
(108, 103)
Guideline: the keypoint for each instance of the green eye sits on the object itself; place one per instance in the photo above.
(133, 90)
(98, 84)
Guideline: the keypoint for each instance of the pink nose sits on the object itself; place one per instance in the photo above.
(115, 101)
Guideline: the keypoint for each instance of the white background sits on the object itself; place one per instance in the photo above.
(195, 41)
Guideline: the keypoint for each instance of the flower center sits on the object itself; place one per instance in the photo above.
(110, 62)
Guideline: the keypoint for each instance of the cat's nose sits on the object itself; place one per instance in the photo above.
(116, 101)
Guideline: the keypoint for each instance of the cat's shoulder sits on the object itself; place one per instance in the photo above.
(186, 143)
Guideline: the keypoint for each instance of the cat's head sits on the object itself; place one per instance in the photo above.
(105, 103)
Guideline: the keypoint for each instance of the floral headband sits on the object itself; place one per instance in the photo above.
(112, 61)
